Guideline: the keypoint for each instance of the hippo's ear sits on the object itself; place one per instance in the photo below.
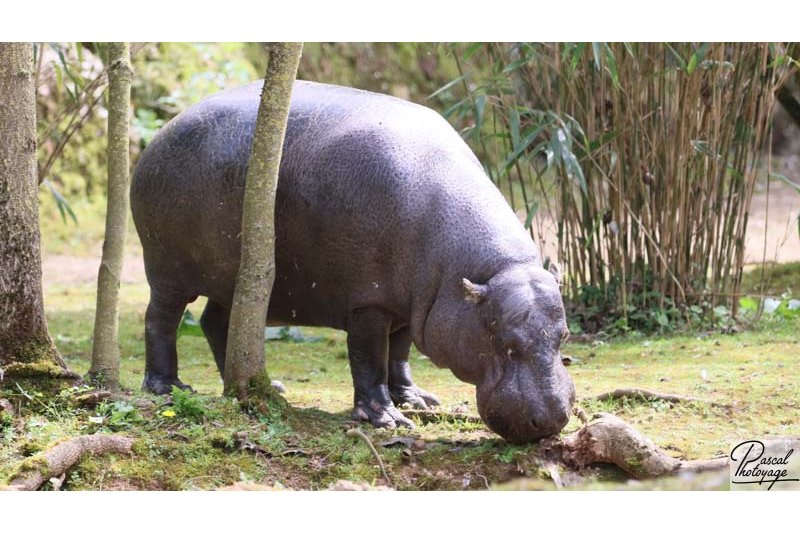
(555, 271)
(473, 292)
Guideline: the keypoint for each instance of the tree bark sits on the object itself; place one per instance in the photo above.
(105, 349)
(25, 345)
(245, 372)
(34, 472)
(609, 439)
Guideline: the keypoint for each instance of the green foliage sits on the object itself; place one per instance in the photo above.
(783, 308)
(116, 415)
(187, 405)
(172, 76)
(71, 79)
(408, 70)
(168, 77)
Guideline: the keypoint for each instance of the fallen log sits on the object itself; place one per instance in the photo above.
(609, 439)
(37, 470)
(92, 398)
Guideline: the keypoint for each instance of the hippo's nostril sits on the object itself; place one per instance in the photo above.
(533, 423)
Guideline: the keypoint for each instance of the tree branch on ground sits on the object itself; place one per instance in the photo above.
(609, 439)
(36, 471)
(357, 433)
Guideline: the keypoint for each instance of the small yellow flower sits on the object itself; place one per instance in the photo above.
(169, 413)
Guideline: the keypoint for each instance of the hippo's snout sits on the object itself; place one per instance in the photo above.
(526, 429)
(549, 425)
(526, 415)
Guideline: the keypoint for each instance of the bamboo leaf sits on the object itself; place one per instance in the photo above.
(521, 148)
(692, 64)
(532, 208)
(612, 64)
(452, 109)
(597, 55)
(61, 203)
(577, 53)
(446, 86)
(471, 49)
(513, 120)
(787, 181)
(677, 56)
(480, 107)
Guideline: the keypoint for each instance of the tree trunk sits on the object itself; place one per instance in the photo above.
(245, 372)
(25, 345)
(105, 350)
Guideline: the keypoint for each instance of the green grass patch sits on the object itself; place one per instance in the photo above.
(778, 278)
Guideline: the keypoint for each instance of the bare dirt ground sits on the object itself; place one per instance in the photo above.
(773, 218)
(72, 270)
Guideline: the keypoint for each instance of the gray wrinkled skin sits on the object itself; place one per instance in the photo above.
(386, 227)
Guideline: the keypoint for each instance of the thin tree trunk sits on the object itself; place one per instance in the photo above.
(25, 344)
(105, 350)
(245, 372)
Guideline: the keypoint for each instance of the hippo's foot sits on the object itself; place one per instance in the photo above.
(413, 396)
(160, 385)
(381, 414)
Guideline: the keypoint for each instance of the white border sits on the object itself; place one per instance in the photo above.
(398, 20)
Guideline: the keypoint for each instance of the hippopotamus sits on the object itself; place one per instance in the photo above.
(386, 227)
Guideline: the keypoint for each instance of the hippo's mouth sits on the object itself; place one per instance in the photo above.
(520, 408)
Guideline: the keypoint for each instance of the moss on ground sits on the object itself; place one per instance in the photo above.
(207, 441)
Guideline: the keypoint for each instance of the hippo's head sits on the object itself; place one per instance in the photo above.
(524, 392)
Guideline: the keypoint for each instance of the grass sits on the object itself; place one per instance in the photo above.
(778, 277)
(752, 375)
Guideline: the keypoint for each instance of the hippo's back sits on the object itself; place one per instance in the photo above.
(367, 185)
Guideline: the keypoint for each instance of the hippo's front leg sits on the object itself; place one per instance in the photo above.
(368, 349)
(402, 388)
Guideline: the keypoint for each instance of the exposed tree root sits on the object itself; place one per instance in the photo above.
(609, 439)
(427, 416)
(93, 398)
(643, 394)
(34, 472)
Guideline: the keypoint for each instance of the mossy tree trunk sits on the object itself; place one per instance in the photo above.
(245, 371)
(25, 345)
(105, 349)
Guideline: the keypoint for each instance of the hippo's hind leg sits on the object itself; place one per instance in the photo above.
(368, 348)
(214, 321)
(162, 318)
(402, 388)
